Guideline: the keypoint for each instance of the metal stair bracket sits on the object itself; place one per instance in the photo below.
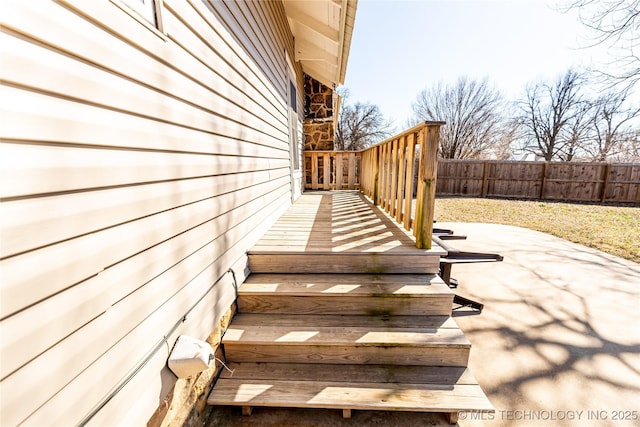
(456, 256)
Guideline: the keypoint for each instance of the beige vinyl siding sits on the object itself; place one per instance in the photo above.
(137, 169)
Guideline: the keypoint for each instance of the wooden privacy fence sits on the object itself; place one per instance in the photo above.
(573, 181)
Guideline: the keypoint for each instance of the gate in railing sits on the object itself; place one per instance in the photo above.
(385, 172)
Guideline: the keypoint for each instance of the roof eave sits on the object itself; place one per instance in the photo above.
(322, 47)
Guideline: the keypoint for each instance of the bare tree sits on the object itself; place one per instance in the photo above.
(502, 149)
(630, 148)
(615, 23)
(574, 134)
(611, 127)
(472, 111)
(550, 116)
(360, 125)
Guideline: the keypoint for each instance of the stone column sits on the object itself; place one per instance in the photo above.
(318, 112)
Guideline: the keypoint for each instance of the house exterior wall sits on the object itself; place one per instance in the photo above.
(138, 167)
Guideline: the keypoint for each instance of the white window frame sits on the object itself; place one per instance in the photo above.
(146, 11)
(296, 146)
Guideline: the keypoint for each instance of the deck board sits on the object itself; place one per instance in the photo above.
(365, 336)
(344, 284)
(338, 222)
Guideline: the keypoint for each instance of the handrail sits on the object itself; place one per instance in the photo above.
(387, 176)
(387, 173)
(411, 130)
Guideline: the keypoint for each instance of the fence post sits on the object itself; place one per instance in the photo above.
(543, 183)
(483, 189)
(605, 183)
(425, 203)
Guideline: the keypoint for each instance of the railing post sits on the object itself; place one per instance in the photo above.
(376, 173)
(384, 173)
(400, 186)
(351, 171)
(339, 171)
(314, 171)
(425, 202)
(408, 192)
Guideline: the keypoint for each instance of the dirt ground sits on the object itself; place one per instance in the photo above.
(262, 417)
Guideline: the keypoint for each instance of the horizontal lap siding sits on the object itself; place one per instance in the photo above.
(136, 170)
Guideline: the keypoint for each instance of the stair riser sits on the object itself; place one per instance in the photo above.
(341, 263)
(341, 304)
(393, 355)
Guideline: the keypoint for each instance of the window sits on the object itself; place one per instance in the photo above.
(147, 9)
(293, 101)
(293, 125)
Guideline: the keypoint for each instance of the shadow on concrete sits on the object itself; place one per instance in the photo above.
(560, 329)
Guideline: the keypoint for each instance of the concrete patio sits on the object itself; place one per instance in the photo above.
(560, 333)
(558, 342)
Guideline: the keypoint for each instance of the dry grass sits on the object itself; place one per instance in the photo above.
(611, 229)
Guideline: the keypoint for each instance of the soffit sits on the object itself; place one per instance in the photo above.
(322, 31)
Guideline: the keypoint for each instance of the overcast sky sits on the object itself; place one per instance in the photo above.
(401, 47)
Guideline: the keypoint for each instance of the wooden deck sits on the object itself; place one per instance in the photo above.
(342, 311)
(339, 231)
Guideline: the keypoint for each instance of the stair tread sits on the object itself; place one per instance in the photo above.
(340, 336)
(361, 396)
(351, 249)
(401, 285)
(447, 375)
(363, 250)
(342, 278)
(344, 321)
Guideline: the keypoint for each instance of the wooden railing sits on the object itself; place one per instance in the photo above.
(332, 170)
(391, 173)
(387, 177)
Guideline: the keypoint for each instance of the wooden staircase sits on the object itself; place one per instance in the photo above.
(350, 339)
